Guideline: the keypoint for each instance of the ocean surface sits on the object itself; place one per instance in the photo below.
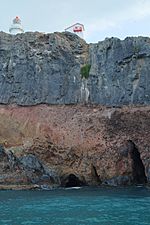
(104, 206)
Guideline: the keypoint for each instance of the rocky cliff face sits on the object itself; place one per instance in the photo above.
(38, 68)
(120, 71)
(45, 68)
(95, 144)
(74, 144)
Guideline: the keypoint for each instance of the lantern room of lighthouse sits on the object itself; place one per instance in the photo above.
(16, 27)
(76, 28)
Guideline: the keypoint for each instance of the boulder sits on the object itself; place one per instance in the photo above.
(118, 181)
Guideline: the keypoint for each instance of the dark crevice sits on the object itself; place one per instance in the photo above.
(138, 169)
(94, 174)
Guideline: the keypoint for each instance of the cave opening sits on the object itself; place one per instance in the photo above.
(138, 169)
(73, 181)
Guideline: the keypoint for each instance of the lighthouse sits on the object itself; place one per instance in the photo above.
(16, 27)
(76, 28)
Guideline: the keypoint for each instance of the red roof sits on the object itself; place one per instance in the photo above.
(75, 25)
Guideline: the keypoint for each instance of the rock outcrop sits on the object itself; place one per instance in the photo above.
(86, 141)
(43, 117)
(27, 171)
(120, 71)
(40, 68)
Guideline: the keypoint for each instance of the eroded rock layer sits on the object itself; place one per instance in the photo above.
(92, 143)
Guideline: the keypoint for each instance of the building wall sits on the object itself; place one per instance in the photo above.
(71, 29)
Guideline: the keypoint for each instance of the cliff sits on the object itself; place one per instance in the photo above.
(42, 111)
(45, 68)
(41, 68)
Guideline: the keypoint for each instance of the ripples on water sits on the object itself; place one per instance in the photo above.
(87, 206)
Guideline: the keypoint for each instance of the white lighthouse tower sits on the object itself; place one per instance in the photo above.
(16, 27)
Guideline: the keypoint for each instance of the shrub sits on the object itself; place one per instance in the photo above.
(85, 71)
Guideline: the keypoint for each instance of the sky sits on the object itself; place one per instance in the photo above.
(101, 18)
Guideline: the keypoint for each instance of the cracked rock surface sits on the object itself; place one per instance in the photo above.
(40, 68)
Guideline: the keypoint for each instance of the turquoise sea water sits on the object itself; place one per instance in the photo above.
(109, 206)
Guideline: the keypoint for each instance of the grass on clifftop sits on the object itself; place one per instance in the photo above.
(85, 71)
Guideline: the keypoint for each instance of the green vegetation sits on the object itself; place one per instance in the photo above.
(85, 71)
(136, 49)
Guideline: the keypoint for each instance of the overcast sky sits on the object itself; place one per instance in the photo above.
(101, 18)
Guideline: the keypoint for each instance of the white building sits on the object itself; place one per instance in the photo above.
(76, 28)
(16, 27)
